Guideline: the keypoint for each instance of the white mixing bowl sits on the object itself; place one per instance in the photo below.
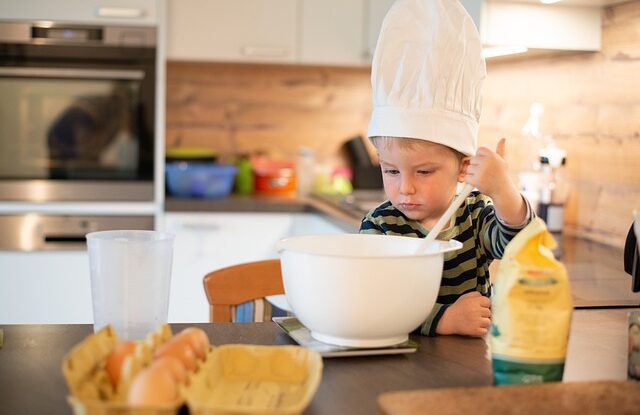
(361, 290)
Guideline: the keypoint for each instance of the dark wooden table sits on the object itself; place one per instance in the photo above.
(31, 379)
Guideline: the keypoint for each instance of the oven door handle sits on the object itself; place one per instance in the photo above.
(75, 73)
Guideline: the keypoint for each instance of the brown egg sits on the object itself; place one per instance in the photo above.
(180, 350)
(173, 365)
(197, 338)
(153, 386)
(115, 359)
(186, 341)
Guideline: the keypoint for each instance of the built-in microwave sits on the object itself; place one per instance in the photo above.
(77, 112)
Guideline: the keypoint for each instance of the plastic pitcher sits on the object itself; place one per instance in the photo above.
(130, 280)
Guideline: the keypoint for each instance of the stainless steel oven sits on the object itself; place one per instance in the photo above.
(76, 112)
(46, 232)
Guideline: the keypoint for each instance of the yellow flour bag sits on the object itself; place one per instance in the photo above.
(531, 310)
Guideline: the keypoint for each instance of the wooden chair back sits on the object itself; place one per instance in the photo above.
(236, 284)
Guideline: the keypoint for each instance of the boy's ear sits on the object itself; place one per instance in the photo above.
(464, 163)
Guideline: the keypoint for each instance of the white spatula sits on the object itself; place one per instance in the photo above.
(433, 233)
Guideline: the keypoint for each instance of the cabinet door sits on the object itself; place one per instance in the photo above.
(332, 32)
(232, 30)
(55, 287)
(130, 12)
(45, 287)
(208, 241)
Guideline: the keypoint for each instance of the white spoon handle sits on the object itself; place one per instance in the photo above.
(433, 233)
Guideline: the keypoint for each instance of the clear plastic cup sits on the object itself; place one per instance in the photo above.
(130, 280)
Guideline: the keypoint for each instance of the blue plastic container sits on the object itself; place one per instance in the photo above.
(205, 180)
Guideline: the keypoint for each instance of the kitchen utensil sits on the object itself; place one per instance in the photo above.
(433, 233)
(130, 280)
(358, 151)
(632, 252)
(361, 290)
(636, 225)
(302, 336)
(366, 173)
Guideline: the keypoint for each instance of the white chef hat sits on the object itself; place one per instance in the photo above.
(427, 75)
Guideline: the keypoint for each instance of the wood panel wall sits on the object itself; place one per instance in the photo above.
(591, 100)
(592, 108)
(236, 108)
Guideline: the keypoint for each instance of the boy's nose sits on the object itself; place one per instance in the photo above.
(406, 186)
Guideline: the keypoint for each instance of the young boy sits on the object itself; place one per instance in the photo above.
(426, 77)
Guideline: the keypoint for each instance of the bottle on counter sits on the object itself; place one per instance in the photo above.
(554, 190)
(529, 178)
(305, 171)
(244, 177)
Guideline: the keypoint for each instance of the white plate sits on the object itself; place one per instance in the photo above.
(279, 301)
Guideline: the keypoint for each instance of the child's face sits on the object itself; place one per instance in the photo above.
(420, 180)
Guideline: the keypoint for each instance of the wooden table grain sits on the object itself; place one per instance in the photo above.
(31, 379)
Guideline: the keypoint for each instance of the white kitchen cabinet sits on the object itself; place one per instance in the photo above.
(208, 241)
(538, 26)
(121, 12)
(45, 287)
(516, 24)
(232, 30)
(324, 32)
(51, 287)
(332, 32)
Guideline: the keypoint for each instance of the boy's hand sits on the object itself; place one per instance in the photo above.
(470, 315)
(488, 170)
(489, 173)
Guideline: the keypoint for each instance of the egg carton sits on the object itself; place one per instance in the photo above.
(247, 379)
(232, 379)
(91, 391)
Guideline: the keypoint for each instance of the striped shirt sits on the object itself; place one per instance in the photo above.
(483, 236)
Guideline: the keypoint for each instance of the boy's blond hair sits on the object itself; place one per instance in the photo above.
(406, 143)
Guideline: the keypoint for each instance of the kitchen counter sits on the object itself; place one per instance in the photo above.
(344, 214)
(597, 275)
(596, 270)
(238, 203)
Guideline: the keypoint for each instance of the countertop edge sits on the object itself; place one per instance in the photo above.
(348, 221)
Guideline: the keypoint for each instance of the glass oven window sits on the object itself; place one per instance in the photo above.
(70, 129)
